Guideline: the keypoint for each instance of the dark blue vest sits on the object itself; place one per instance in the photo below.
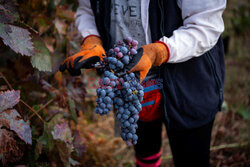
(193, 90)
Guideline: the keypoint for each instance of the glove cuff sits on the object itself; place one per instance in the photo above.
(156, 52)
(166, 48)
(92, 39)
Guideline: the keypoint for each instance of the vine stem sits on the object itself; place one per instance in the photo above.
(233, 145)
(35, 112)
(11, 88)
(7, 82)
(45, 105)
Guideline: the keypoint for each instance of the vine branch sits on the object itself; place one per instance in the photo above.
(45, 105)
(35, 112)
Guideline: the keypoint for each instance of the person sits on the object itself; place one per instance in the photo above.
(180, 48)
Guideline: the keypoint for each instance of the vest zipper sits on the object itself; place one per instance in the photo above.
(216, 77)
(97, 7)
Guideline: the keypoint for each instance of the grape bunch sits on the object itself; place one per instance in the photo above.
(119, 90)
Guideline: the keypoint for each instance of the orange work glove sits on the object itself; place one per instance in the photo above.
(153, 54)
(90, 53)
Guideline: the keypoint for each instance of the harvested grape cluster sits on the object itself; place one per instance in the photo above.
(119, 90)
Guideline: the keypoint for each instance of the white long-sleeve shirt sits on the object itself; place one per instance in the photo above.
(202, 26)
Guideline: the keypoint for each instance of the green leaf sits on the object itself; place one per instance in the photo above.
(10, 119)
(56, 119)
(47, 139)
(245, 113)
(72, 110)
(9, 99)
(18, 39)
(36, 107)
(38, 149)
(42, 58)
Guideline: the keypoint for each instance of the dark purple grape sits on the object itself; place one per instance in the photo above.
(119, 55)
(133, 51)
(129, 39)
(134, 42)
(117, 49)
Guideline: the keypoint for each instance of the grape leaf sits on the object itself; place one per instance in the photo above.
(38, 149)
(9, 99)
(64, 152)
(4, 30)
(18, 39)
(59, 129)
(76, 93)
(47, 139)
(72, 110)
(9, 149)
(5, 137)
(41, 59)
(62, 132)
(10, 119)
(78, 143)
(244, 112)
(8, 11)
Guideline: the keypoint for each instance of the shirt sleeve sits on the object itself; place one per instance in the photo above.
(85, 20)
(202, 26)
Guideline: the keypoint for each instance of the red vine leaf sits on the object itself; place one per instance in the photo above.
(64, 152)
(9, 99)
(9, 150)
(11, 120)
(62, 132)
(78, 143)
(18, 39)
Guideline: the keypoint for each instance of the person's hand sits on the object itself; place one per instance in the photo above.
(153, 54)
(90, 53)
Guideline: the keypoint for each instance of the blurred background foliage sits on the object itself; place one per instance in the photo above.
(49, 119)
